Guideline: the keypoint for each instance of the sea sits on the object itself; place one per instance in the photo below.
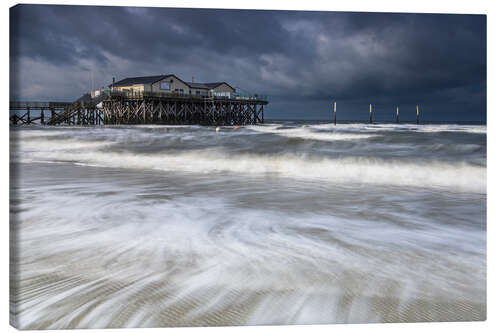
(288, 222)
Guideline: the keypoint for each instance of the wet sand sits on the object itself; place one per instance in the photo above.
(100, 246)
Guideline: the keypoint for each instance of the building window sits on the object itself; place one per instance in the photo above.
(171, 81)
(164, 86)
(197, 92)
(181, 91)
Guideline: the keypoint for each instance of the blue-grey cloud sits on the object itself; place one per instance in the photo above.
(302, 59)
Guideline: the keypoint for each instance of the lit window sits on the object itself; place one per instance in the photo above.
(164, 85)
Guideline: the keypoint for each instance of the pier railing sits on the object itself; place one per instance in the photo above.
(19, 105)
(176, 95)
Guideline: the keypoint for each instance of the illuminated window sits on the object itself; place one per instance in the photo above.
(164, 85)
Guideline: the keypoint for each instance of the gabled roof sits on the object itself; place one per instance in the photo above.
(210, 85)
(197, 85)
(139, 80)
(213, 85)
(152, 79)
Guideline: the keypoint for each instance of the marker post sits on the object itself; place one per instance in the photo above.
(335, 113)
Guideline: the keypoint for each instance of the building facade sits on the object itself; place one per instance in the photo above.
(172, 84)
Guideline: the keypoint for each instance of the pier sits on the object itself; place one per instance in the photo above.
(35, 112)
(124, 108)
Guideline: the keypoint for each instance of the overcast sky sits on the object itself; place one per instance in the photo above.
(301, 60)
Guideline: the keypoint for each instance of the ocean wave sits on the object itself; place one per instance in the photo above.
(60, 145)
(479, 129)
(459, 176)
(309, 133)
(202, 150)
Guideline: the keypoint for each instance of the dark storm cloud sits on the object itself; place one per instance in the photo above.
(302, 60)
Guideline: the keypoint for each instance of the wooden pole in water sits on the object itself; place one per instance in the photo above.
(397, 114)
(335, 113)
(418, 115)
(42, 117)
(371, 114)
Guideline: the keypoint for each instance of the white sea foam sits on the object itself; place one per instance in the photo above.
(308, 133)
(177, 262)
(458, 176)
(301, 234)
(481, 129)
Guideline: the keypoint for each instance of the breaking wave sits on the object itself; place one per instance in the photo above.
(458, 176)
